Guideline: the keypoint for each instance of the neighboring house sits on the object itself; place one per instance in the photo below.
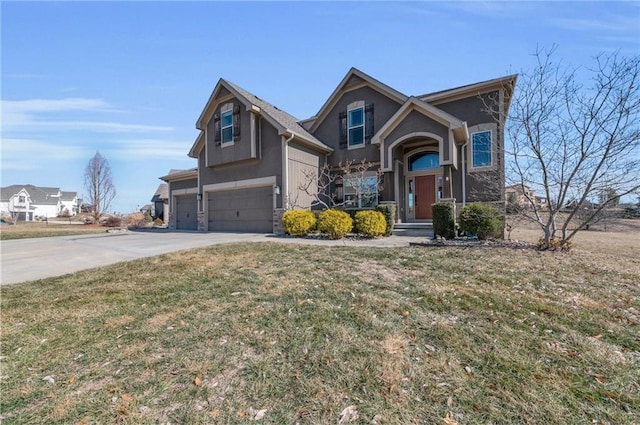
(147, 210)
(523, 197)
(70, 203)
(28, 202)
(160, 202)
(252, 157)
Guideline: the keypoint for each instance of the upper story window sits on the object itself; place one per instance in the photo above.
(356, 125)
(481, 149)
(355, 119)
(227, 125)
(21, 199)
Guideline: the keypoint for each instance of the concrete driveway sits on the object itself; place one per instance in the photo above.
(32, 259)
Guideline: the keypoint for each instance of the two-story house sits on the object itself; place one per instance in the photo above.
(29, 202)
(252, 157)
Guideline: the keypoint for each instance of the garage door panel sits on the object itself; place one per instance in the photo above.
(244, 210)
(186, 212)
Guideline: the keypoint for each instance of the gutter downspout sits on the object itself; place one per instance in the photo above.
(285, 170)
(464, 174)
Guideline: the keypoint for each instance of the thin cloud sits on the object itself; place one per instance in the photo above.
(25, 116)
(149, 149)
(53, 105)
(99, 126)
(15, 149)
(618, 24)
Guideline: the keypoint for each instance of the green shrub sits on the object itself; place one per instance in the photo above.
(335, 223)
(389, 212)
(298, 222)
(148, 218)
(481, 220)
(443, 220)
(370, 223)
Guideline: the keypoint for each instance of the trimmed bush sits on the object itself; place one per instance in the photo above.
(481, 220)
(389, 212)
(370, 223)
(443, 220)
(298, 222)
(158, 222)
(335, 223)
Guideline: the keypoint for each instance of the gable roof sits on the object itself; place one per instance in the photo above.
(285, 123)
(175, 175)
(458, 126)
(162, 193)
(507, 83)
(354, 78)
(37, 195)
(68, 196)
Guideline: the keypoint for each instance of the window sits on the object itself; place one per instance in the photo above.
(227, 127)
(355, 124)
(360, 192)
(481, 149)
(21, 199)
(424, 161)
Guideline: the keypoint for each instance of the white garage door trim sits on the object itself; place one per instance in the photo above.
(236, 185)
(239, 184)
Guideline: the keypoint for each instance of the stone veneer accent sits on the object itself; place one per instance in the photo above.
(278, 228)
(202, 223)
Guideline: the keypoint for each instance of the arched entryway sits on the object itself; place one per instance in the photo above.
(423, 182)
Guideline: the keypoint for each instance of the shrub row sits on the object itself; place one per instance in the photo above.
(334, 223)
(483, 221)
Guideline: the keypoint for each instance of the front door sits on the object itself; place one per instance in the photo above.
(425, 196)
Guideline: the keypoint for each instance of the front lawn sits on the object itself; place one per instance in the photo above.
(402, 335)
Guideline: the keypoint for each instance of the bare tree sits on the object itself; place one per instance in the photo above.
(568, 141)
(357, 177)
(98, 182)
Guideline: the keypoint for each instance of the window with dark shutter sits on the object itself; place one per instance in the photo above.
(368, 120)
(236, 123)
(343, 129)
(216, 129)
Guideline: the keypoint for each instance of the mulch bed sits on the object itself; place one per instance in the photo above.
(470, 242)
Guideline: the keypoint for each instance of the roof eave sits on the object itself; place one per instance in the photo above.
(306, 141)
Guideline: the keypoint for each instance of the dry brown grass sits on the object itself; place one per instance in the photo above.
(479, 334)
(620, 237)
(36, 229)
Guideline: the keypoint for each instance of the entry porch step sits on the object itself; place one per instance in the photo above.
(421, 229)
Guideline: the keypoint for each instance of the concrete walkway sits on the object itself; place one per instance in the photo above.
(31, 259)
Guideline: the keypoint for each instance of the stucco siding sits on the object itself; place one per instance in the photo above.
(471, 109)
(183, 184)
(417, 122)
(269, 163)
(329, 129)
(239, 150)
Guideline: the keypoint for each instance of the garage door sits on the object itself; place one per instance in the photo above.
(186, 212)
(242, 210)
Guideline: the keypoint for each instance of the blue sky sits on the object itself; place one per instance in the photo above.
(130, 78)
